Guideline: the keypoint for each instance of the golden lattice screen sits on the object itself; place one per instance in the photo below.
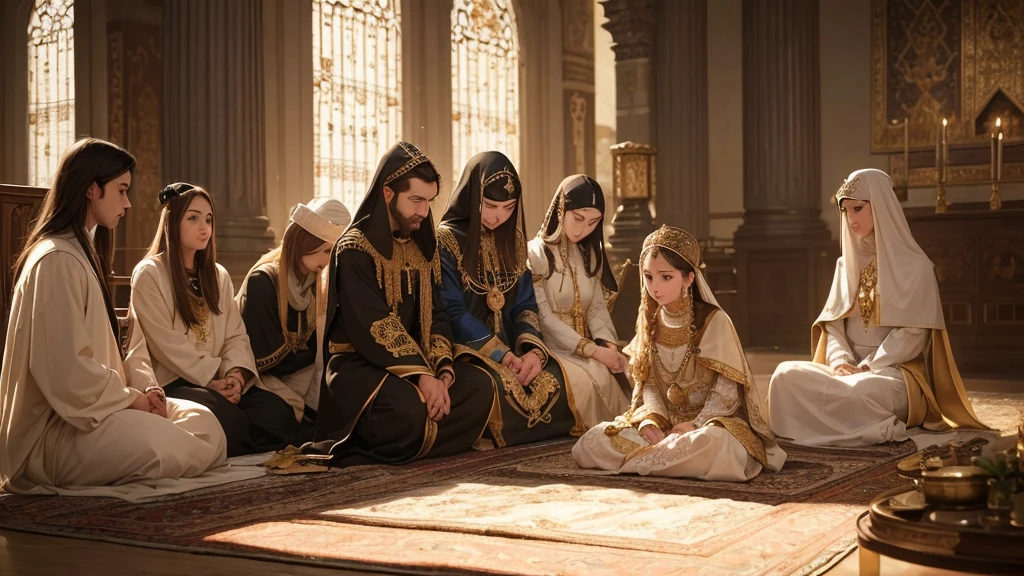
(51, 87)
(485, 80)
(357, 93)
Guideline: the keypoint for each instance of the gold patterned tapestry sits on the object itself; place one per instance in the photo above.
(957, 59)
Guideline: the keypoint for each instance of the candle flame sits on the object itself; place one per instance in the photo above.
(999, 122)
(1000, 135)
(943, 121)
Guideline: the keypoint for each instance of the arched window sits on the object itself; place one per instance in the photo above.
(51, 87)
(485, 80)
(357, 93)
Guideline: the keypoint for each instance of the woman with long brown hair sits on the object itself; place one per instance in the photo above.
(76, 415)
(282, 304)
(183, 301)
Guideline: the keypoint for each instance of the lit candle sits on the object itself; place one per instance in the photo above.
(999, 149)
(992, 154)
(944, 154)
(999, 158)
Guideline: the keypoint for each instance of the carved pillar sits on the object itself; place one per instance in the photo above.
(134, 99)
(632, 24)
(578, 85)
(214, 118)
(681, 111)
(782, 246)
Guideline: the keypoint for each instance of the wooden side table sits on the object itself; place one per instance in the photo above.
(949, 539)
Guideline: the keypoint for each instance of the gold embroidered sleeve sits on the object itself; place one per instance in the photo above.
(585, 348)
(440, 352)
(391, 334)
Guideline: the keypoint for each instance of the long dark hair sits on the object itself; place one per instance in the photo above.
(86, 162)
(167, 241)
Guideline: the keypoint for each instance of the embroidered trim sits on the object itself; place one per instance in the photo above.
(848, 189)
(292, 341)
(404, 371)
(415, 159)
(742, 432)
(405, 258)
(530, 317)
(440, 351)
(390, 333)
(867, 294)
(537, 344)
(271, 360)
(342, 348)
(202, 313)
(581, 348)
(725, 370)
(510, 181)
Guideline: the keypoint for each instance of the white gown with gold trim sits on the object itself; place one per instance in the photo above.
(710, 452)
(811, 405)
(598, 395)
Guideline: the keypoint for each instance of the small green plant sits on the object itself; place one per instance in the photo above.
(1002, 467)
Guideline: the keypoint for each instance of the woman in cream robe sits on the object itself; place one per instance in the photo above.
(70, 421)
(693, 387)
(881, 360)
(192, 362)
(284, 311)
(570, 276)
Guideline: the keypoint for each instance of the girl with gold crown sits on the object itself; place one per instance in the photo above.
(695, 411)
(881, 360)
(570, 277)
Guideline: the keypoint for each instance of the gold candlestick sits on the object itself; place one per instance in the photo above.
(994, 202)
(941, 154)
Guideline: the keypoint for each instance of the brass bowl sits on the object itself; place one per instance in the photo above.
(954, 485)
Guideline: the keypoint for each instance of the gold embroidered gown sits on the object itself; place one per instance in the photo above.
(686, 367)
(884, 317)
(487, 291)
(568, 300)
(684, 386)
(385, 329)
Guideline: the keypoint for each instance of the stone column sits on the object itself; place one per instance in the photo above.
(632, 24)
(681, 111)
(782, 246)
(578, 85)
(214, 118)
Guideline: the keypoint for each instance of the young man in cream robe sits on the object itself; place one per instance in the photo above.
(74, 418)
(881, 357)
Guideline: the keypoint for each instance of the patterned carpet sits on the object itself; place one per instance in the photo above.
(525, 510)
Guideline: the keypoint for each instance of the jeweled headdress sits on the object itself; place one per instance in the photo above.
(848, 189)
(675, 240)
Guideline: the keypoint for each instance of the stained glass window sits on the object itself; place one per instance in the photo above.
(485, 80)
(51, 87)
(357, 93)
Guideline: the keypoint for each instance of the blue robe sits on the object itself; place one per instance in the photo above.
(543, 409)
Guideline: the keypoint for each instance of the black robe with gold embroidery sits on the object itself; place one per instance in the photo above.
(488, 294)
(259, 311)
(385, 329)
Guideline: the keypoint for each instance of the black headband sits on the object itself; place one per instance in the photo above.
(172, 191)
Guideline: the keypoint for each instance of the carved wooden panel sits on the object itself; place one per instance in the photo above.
(18, 208)
(979, 260)
(781, 287)
(962, 60)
